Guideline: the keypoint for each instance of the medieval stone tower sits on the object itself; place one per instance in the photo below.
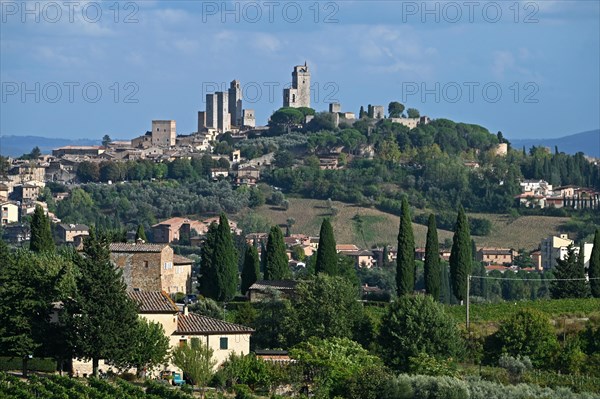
(235, 103)
(299, 94)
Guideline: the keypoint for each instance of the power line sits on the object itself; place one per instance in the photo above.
(469, 277)
(540, 280)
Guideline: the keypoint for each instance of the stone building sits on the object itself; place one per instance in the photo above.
(217, 111)
(72, 233)
(164, 133)
(171, 230)
(553, 248)
(150, 267)
(248, 118)
(235, 103)
(298, 95)
(496, 256)
(81, 150)
(378, 111)
(26, 191)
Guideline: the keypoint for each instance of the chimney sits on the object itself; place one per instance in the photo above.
(185, 310)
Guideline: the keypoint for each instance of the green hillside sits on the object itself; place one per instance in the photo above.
(379, 227)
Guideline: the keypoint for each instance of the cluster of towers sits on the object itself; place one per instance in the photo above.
(224, 111)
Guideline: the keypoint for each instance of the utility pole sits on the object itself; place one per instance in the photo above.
(468, 289)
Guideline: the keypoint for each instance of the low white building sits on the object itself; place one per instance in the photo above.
(9, 213)
(181, 327)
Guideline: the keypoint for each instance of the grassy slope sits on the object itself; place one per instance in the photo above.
(380, 227)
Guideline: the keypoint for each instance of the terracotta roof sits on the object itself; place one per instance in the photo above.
(346, 247)
(274, 284)
(74, 227)
(153, 302)
(125, 247)
(176, 223)
(358, 253)
(196, 324)
(181, 260)
(493, 250)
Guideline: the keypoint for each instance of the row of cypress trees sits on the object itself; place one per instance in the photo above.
(460, 257)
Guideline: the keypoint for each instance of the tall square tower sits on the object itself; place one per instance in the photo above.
(164, 133)
(299, 94)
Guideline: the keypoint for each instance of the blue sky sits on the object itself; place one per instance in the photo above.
(527, 68)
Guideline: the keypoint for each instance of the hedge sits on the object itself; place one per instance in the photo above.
(47, 365)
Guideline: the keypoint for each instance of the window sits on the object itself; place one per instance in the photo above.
(223, 343)
(146, 264)
(168, 265)
(182, 342)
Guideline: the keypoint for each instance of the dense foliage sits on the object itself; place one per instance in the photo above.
(327, 258)
(432, 270)
(405, 267)
(414, 325)
(460, 256)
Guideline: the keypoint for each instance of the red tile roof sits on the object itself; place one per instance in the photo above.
(153, 302)
(124, 247)
(196, 324)
(181, 260)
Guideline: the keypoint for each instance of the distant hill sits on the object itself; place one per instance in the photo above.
(586, 142)
(19, 145)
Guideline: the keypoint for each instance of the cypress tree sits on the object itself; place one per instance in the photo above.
(106, 317)
(276, 260)
(571, 267)
(41, 236)
(460, 256)
(140, 233)
(327, 258)
(406, 266)
(594, 268)
(207, 279)
(445, 290)
(432, 272)
(251, 268)
(224, 260)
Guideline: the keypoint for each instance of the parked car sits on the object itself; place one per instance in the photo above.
(178, 379)
(190, 299)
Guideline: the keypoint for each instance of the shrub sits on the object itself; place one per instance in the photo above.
(426, 387)
(243, 392)
(367, 383)
(128, 377)
(414, 325)
(246, 370)
(527, 333)
(46, 365)
(515, 366)
(429, 365)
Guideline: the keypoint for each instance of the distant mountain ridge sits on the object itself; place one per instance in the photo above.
(19, 145)
(586, 142)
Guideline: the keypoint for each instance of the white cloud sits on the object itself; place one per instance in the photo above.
(266, 42)
(503, 60)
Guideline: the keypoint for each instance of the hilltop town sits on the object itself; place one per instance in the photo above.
(178, 217)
